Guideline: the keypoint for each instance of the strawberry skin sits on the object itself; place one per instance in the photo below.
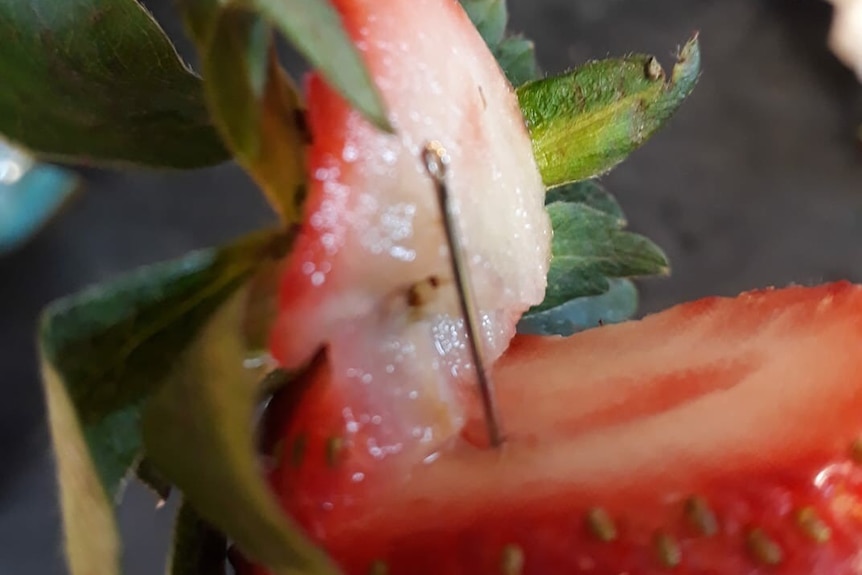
(717, 437)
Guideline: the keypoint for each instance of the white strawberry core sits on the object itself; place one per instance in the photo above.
(374, 228)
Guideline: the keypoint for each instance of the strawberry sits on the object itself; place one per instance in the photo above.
(369, 275)
(717, 437)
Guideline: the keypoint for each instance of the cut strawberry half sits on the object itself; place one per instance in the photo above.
(370, 275)
(713, 438)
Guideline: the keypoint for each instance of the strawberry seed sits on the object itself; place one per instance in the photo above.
(601, 525)
(856, 451)
(812, 525)
(700, 516)
(298, 452)
(334, 447)
(668, 550)
(512, 560)
(763, 548)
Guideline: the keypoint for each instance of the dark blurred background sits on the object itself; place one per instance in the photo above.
(757, 181)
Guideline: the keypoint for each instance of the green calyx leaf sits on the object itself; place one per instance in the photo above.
(490, 18)
(587, 121)
(252, 100)
(517, 57)
(591, 295)
(198, 549)
(235, 60)
(618, 304)
(588, 110)
(207, 410)
(97, 81)
(590, 193)
(590, 246)
(104, 353)
(515, 54)
(200, 17)
(315, 29)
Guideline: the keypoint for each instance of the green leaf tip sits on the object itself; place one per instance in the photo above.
(587, 121)
(315, 29)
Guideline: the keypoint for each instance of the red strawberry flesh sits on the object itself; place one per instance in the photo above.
(752, 404)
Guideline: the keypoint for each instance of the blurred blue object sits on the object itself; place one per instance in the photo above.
(30, 193)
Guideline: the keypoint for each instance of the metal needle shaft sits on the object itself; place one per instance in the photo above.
(436, 161)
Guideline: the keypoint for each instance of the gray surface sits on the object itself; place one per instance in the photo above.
(756, 182)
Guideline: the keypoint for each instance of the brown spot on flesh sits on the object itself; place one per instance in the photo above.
(423, 292)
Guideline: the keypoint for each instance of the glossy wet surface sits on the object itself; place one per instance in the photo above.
(757, 181)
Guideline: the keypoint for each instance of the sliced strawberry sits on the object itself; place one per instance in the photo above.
(369, 274)
(713, 438)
